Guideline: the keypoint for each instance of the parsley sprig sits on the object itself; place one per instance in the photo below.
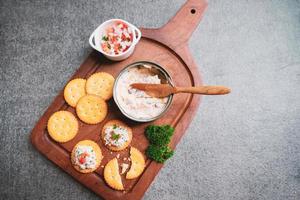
(159, 138)
(115, 136)
(105, 38)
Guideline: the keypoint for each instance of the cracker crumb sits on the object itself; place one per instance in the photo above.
(124, 167)
(111, 152)
(124, 159)
(102, 166)
(118, 155)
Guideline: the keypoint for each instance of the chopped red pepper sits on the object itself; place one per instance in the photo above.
(82, 157)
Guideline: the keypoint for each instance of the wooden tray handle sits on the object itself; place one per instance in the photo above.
(206, 90)
(180, 27)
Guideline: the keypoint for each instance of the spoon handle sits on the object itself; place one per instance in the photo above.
(207, 90)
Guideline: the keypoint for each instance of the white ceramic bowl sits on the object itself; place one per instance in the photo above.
(96, 36)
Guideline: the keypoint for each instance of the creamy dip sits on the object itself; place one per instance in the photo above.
(115, 135)
(85, 157)
(137, 103)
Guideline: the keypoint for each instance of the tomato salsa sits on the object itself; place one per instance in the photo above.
(116, 38)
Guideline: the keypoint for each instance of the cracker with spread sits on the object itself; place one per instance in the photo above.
(86, 156)
(116, 135)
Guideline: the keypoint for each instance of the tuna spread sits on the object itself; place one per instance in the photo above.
(137, 103)
(85, 157)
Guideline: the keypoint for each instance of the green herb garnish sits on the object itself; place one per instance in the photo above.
(159, 138)
(114, 126)
(159, 135)
(159, 154)
(105, 38)
(115, 136)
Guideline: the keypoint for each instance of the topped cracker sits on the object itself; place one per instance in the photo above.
(137, 164)
(62, 126)
(116, 123)
(97, 151)
(112, 176)
(91, 109)
(100, 84)
(74, 90)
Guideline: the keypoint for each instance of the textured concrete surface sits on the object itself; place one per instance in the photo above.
(242, 146)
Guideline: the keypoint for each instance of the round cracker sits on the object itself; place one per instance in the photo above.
(121, 124)
(137, 164)
(97, 151)
(62, 126)
(74, 90)
(100, 84)
(91, 109)
(112, 176)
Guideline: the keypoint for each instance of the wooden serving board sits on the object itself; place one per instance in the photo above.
(166, 46)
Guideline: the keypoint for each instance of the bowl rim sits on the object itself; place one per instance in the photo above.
(164, 72)
(100, 29)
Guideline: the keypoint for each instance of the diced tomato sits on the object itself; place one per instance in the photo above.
(105, 47)
(123, 37)
(117, 47)
(122, 25)
(110, 30)
(125, 25)
(127, 47)
(82, 158)
(113, 39)
(116, 52)
(131, 36)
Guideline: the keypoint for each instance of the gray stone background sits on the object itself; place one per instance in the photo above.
(242, 146)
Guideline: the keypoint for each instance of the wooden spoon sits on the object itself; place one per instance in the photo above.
(163, 90)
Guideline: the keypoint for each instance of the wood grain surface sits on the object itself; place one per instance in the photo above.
(166, 46)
